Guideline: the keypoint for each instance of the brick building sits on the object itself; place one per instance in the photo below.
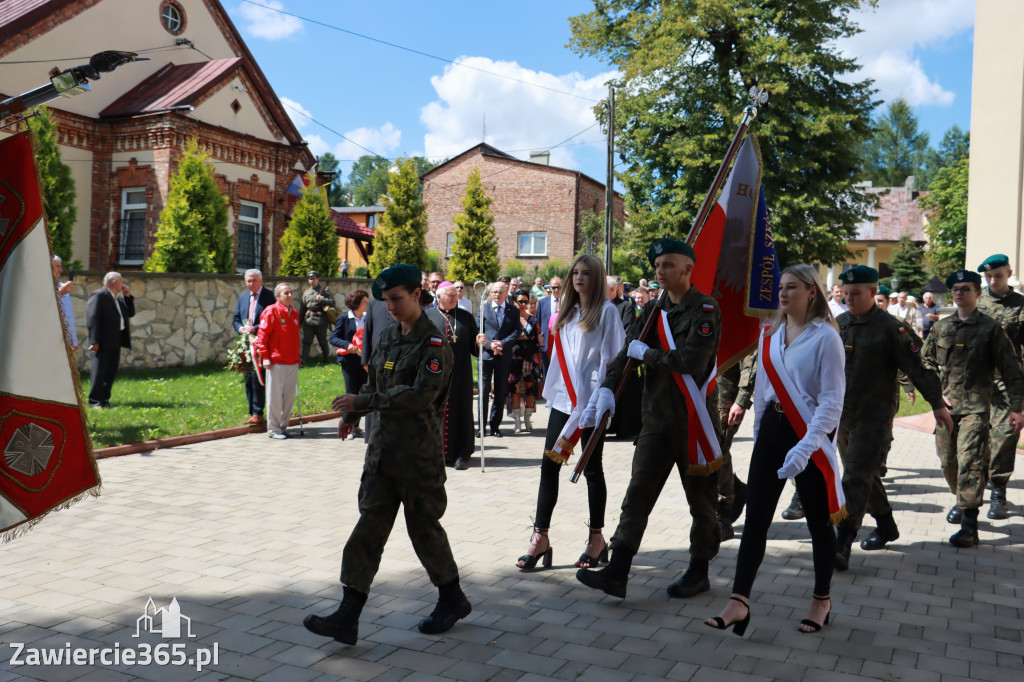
(123, 139)
(536, 207)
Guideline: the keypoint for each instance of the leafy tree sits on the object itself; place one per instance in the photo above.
(955, 144)
(338, 194)
(556, 267)
(684, 69)
(907, 265)
(310, 241)
(897, 149)
(368, 180)
(947, 222)
(401, 235)
(192, 235)
(475, 251)
(591, 226)
(58, 187)
(513, 267)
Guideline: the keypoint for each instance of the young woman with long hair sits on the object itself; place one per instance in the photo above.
(798, 401)
(587, 335)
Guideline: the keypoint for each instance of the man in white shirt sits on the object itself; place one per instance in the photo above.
(905, 312)
(464, 301)
(835, 303)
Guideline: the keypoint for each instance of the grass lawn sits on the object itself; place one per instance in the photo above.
(173, 402)
(920, 406)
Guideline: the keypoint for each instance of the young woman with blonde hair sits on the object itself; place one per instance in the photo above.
(798, 401)
(586, 336)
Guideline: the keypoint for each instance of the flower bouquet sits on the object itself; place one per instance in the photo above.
(239, 353)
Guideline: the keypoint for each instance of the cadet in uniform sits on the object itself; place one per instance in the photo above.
(877, 345)
(1004, 305)
(967, 348)
(314, 320)
(735, 396)
(694, 323)
(409, 377)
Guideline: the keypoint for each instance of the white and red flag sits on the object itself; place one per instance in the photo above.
(46, 460)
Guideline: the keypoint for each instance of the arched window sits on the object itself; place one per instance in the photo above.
(172, 17)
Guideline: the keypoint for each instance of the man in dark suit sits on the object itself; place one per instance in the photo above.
(547, 311)
(247, 320)
(106, 314)
(501, 327)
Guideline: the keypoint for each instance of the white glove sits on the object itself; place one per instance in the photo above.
(605, 403)
(636, 350)
(589, 417)
(796, 462)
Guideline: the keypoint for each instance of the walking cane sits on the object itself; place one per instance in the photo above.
(478, 289)
(298, 397)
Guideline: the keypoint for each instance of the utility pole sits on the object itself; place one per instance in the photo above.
(609, 192)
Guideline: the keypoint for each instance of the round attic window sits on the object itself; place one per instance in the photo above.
(172, 17)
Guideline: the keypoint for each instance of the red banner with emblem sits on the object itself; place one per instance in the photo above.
(46, 460)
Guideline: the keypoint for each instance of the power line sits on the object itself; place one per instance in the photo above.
(86, 57)
(325, 127)
(419, 52)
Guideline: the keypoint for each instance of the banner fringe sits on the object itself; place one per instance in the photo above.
(17, 530)
(556, 457)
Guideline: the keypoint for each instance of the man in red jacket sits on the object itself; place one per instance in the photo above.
(277, 343)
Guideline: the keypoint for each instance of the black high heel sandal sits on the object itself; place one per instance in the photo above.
(587, 561)
(738, 626)
(529, 561)
(816, 627)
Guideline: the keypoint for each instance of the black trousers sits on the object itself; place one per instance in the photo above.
(255, 393)
(764, 487)
(102, 372)
(496, 374)
(547, 494)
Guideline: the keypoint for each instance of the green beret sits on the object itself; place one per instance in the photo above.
(394, 276)
(962, 276)
(993, 262)
(860, 274)
(884, 290)
(670, 245)
(654, 285)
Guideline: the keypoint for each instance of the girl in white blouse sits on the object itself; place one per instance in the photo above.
(587, 335)
(801, 381)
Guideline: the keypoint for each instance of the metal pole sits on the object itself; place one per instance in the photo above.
(609, 191)
(479, 288)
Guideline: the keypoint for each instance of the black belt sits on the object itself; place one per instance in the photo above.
(777, 405)
(314, 310)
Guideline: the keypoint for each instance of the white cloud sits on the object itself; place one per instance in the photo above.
(261, 22)
(382, 140)
(519, 116)
(891, 35)
(296, 112)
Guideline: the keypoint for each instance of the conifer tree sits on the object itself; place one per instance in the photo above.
(908, 267)
(192, 235)
(947, 221)
(310, 241)
(58, 187)
(401, 236)
(475, 251)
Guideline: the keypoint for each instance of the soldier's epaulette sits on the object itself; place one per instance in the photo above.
(708, 307)
(435, 341)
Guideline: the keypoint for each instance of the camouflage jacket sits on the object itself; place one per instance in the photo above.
(311, 310)
(878, 346)
(407, 386)
(1008, 311)
(966, 354)
(696, 325)
(748, 374)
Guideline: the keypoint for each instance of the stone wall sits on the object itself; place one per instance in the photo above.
(183, 319)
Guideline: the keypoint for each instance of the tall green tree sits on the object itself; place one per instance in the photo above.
(192, 235)
(684, 70)
(897, 149)
(908, 266)
(946, 202)
(58, 187)
(401, 236)
(337, 195)
(475, 251)
(310, 241)
(368, 180)
(955, 144)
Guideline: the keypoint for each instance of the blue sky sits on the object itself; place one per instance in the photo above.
(396, 103)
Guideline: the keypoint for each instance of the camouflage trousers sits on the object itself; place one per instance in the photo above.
(864, 446)
(380, 494)
(964, 456)
(1003, 440)
(319, 333)
(727, 392)
(655, 456)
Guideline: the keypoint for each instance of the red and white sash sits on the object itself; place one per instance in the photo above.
(703, 451)
(799, 414)
(571, 432)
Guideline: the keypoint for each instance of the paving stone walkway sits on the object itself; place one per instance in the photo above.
(246, 534)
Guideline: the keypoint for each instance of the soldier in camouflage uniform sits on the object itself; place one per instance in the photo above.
(1004, 305)
(877, 346)
(409, 377)
(735, 389)
(695, 323)
(967, 348)
(314, 320)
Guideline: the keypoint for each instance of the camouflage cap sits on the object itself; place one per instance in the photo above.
(394, 276)
(861, 274)
(995, 261)
(669, 245)
(962, 276)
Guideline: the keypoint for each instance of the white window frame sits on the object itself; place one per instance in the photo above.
(127, 208)
(167, 18)
(533, 253)
(257, 222)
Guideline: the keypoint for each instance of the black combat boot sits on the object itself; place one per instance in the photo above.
(844, 542)
(886, 532)
(967, 536)
(343, 624)
(693, 582)
(612, 578)
(739, 499)
(452, 606)
(955, 515)
(997, 504)
(723, 514)
(795, 510)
